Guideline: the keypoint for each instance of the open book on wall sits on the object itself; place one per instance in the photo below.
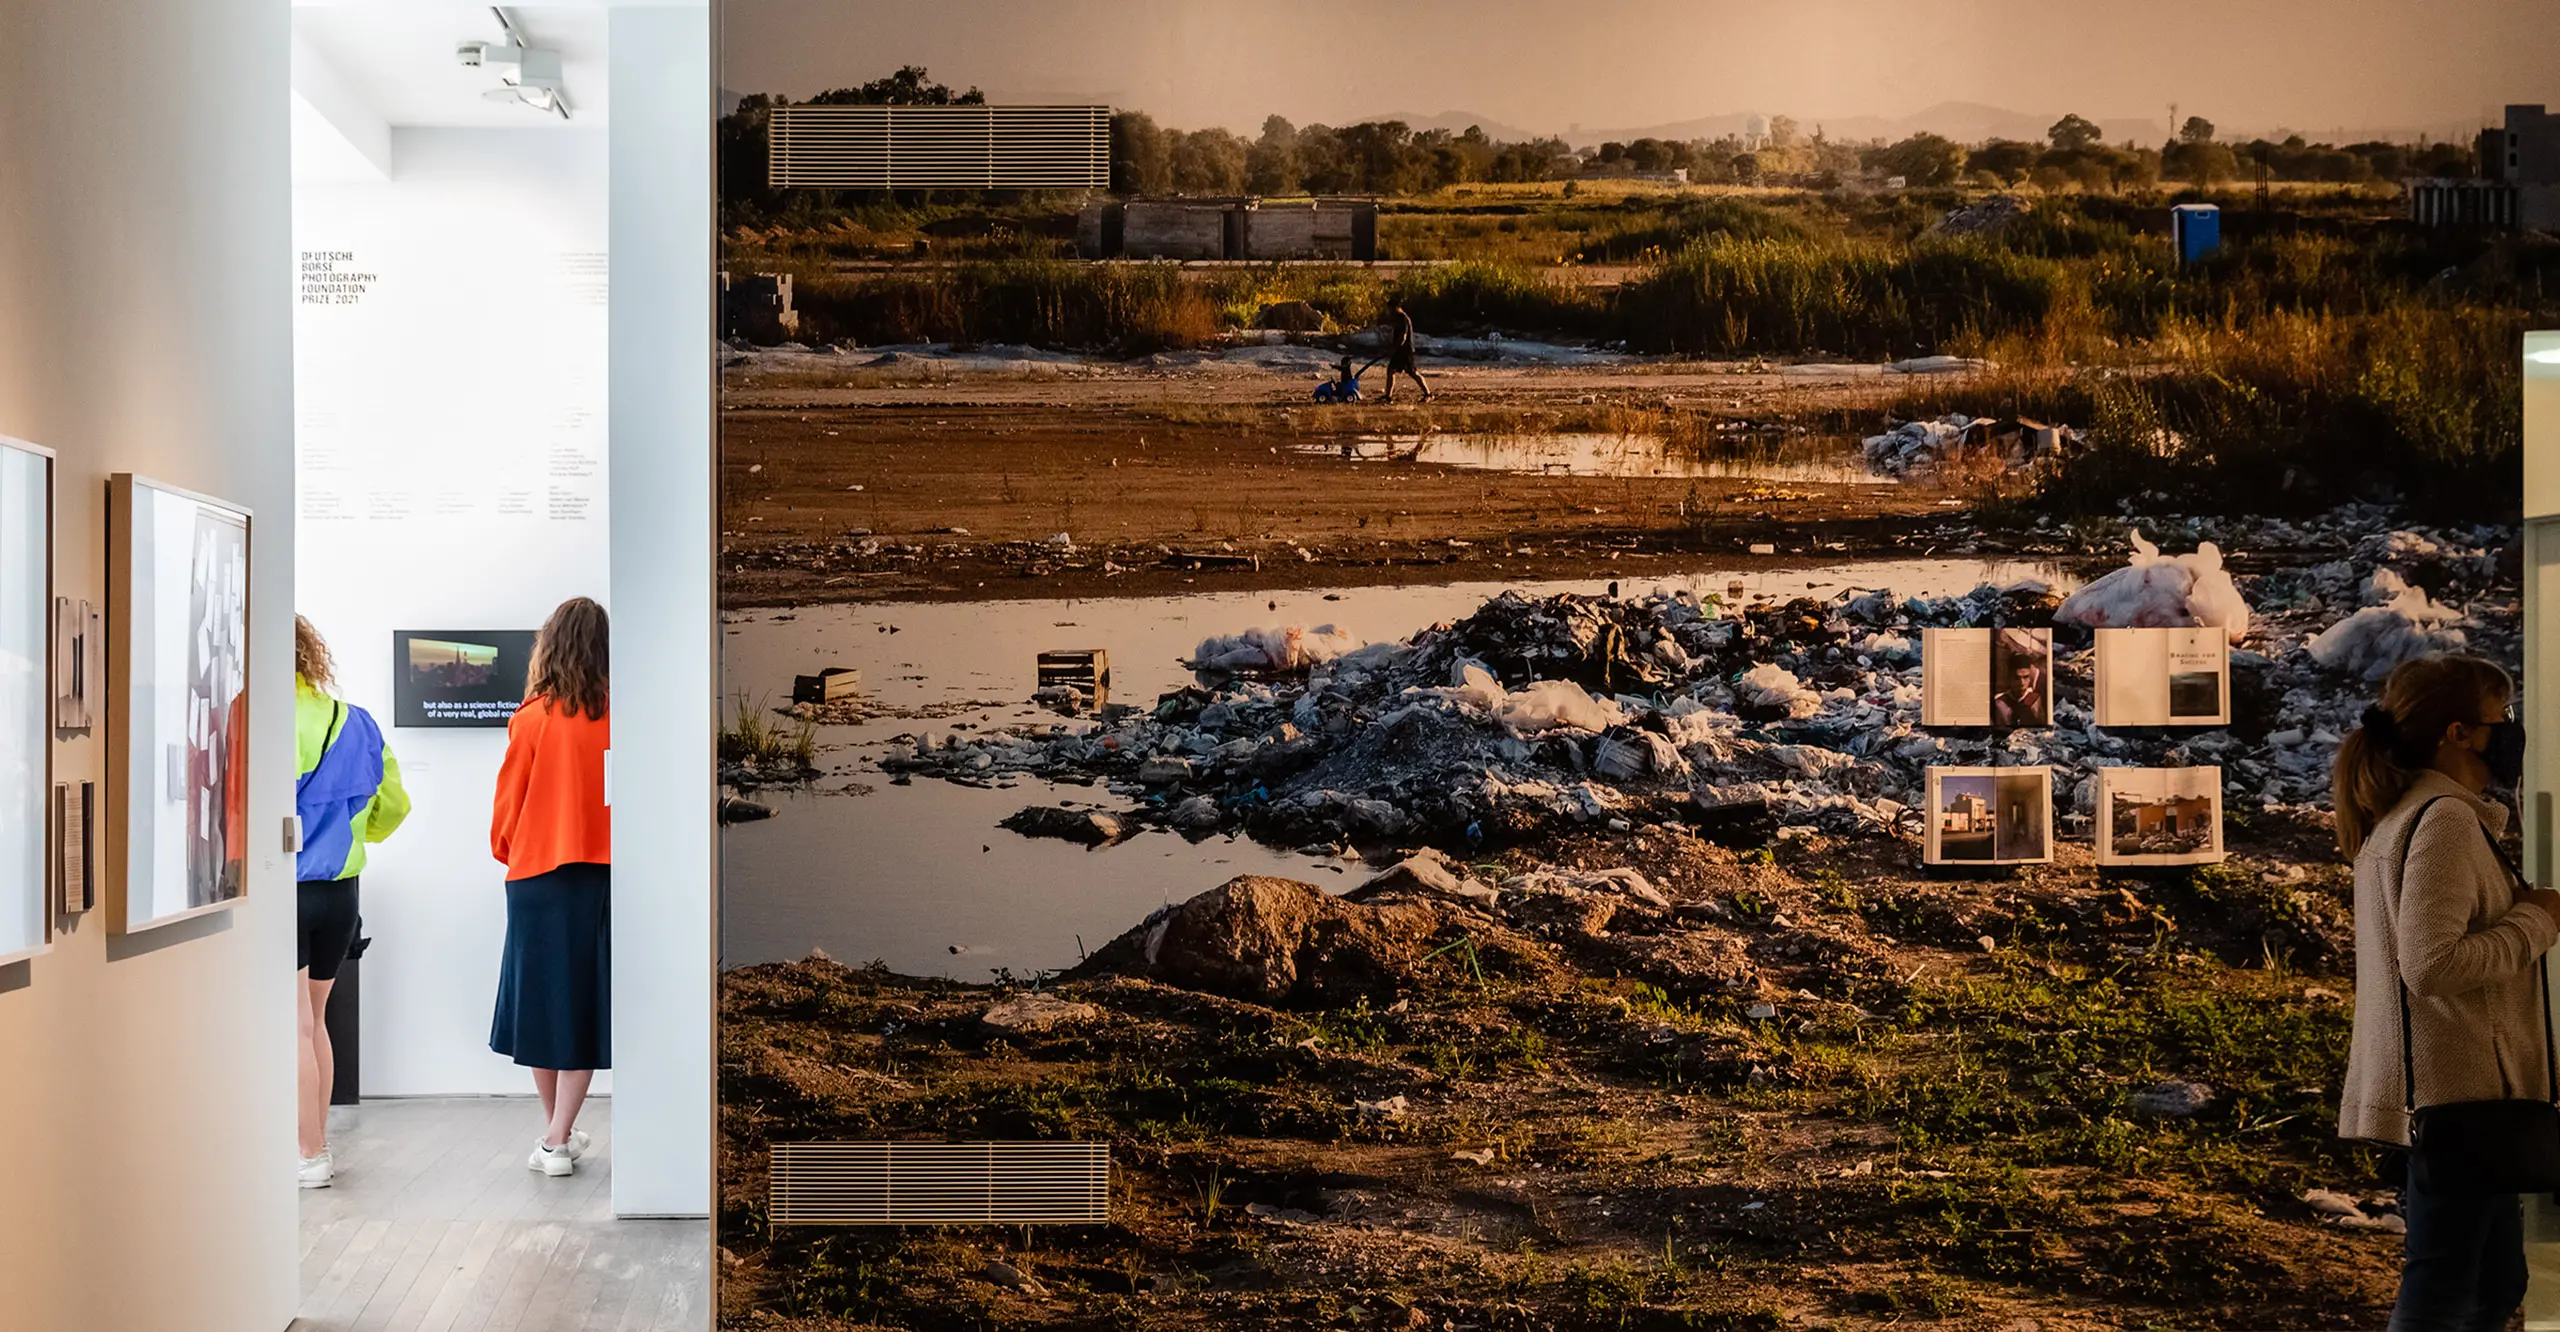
(2164, 677)
(2159, 816)
(1989, 816)
(1986, 677)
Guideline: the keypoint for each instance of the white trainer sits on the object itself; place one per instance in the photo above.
(577, 1144)
(553, 1161)
(315, 1171)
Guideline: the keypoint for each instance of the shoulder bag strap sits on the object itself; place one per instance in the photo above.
(2550, 1059)
(338, 717)
(2408, 1059)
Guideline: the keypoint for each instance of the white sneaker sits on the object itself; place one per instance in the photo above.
(553, 1161)
(577, 1144)
(315, 1171)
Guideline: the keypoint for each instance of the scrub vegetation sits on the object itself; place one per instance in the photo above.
(2333, 356)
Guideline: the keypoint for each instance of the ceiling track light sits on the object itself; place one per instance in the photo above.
(526, 73)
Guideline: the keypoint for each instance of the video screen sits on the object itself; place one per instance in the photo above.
(459, 677)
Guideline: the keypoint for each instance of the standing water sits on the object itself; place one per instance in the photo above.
(920, 877)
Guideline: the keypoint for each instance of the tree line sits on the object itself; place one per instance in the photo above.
(1393, 158)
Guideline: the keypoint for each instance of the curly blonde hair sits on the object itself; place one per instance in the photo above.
(569, 660)
(311, 659)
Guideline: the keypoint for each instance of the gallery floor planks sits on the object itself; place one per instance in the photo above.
(435, 1225)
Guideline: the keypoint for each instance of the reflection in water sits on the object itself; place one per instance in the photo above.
(1609, 455)
(906, 874)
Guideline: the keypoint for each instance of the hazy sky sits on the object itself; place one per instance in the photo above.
(1544, 65)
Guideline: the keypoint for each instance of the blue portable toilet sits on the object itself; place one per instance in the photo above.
(2196, 229)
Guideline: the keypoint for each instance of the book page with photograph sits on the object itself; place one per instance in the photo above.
(2159, 816)
(1989, 816)
(1999, 678)
(2164, 677)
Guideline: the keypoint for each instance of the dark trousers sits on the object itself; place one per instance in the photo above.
(2464, 1269)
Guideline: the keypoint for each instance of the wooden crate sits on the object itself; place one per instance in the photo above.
(827, 686)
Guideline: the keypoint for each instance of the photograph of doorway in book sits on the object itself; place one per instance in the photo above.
(2159, 816)
(1990, 816)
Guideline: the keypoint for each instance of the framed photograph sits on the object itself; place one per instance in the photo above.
(458, 677)
(1989, 816)
(2001, 678)
(176, 842)
(79, 638)
(26, 713)
(2159, 816)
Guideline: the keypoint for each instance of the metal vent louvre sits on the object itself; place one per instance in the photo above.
(940, 147)
(940, 1183)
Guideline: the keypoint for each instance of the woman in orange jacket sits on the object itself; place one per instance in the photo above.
(552, 830)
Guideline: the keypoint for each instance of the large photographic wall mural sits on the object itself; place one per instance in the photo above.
(1719, 723)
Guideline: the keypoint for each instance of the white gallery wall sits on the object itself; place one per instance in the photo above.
(451, 437)
(146, 1104)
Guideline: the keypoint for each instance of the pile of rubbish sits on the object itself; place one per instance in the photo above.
(1671, 705)
(1983, 217)
(1921, 446)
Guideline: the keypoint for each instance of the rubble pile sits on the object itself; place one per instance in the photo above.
(1922, 446)
(1539, 713)
(1983, 217)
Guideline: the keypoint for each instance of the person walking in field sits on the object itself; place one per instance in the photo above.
(1400, 353)
(550, 826)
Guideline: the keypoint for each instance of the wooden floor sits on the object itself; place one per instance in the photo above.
(435, 1225)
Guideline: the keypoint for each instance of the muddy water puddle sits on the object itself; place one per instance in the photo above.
(1595, 454)
(921, 878)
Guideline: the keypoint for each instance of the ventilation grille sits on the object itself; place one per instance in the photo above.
(940, 1183)
(940, 147)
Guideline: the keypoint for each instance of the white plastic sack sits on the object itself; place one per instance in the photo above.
(2158, 591)
(1551, 705)
(1773, 686)
(2369, 643)
(1274, 648)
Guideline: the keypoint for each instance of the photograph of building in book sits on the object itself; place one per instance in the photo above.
(1464, 845)
(2159, 816)
(1990, 816)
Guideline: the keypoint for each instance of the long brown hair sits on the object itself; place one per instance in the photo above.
(568, 664)
(311, 659)
(2379, 760)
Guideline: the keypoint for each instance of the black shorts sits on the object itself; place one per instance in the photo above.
(1400, 360)
(328, 926)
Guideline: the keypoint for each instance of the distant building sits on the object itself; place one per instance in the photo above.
(1622, 171)
(1966, 813)
(2518, 185)
(1229, 228)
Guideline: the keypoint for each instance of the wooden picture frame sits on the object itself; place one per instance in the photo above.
(176, 842)
(27, 572)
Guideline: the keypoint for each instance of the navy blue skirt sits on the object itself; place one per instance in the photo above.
(555, 983)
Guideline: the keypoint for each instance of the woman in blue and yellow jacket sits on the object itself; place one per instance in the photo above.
(347, 791)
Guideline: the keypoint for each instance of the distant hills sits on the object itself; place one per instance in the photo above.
(1964, 122)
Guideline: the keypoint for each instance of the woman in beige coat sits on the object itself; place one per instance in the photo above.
(2455, 928)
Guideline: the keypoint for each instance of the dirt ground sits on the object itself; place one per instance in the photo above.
(925, 487)
(1819, 1088)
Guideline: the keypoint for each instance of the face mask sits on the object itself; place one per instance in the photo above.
(2505, 754)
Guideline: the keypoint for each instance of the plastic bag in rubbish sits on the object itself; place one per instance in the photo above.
(1773, 686)
(2158, 591)
(2369, 643)
(1549, 705)
(1274, 648)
